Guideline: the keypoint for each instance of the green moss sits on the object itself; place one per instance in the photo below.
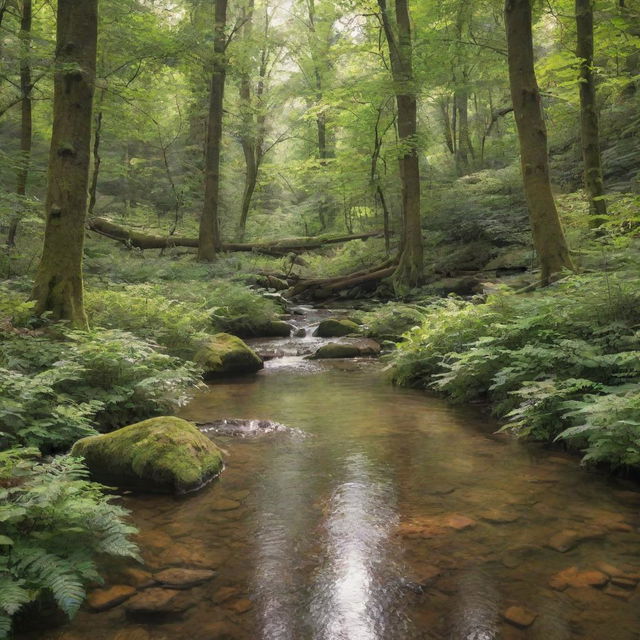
(334, 350)
(335, 328)
(225, 354)
(163, 454)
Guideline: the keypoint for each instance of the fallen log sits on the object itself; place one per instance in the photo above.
(322, 288)
(276, 248)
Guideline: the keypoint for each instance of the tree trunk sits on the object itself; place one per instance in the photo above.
(97, 159)
(26, 118)
(58, 286)
(461, 102)
(210, 240)
(590, 129)
(410, 269)
(548, 235)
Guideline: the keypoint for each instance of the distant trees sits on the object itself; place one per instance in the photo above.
(58, 286)
(548, 234)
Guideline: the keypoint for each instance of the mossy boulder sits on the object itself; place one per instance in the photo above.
(336, 328)
(224, 354)
(269, 329)
(359, 349)
(160, 455)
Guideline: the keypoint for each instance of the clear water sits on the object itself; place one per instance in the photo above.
(385, 514)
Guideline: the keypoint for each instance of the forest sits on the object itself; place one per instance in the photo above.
(319, 319)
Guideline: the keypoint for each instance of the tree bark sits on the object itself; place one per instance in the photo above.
(210, 240)
(58, 286)
(410, 269)
(548, 235)
(590, 128)
(26, 117)
(276, 247)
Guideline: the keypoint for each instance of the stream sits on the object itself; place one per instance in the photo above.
(378, 513)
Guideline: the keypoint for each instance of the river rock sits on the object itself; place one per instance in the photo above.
(521, 617)
(103, 599)
(135, 633)
(568, 539)
(157, 602)
(336, 328)
(183, 578)
(364, 348)
(162, 455)
(224, 354)
(572, 577)
(268, 329)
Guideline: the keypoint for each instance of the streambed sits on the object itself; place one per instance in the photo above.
(382, 514)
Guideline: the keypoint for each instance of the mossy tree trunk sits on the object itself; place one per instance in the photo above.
(410, 269)
(58, 285)
(548, 235)
(26, 115)
(590, 129)
(210, 239)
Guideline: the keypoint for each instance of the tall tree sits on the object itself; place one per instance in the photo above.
(210, 240)
(590, 129)
(26, 115)
(410, 269)
(548, 235)
(58, 286)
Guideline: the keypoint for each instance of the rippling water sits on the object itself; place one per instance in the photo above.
(397, 517)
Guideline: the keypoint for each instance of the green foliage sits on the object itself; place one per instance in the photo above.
(143, 311)
(536, 358)
(55, 523)
(391, 321)
(58, 388)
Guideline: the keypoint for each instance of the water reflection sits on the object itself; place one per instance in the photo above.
(358, 585)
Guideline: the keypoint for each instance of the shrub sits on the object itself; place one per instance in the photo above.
(146, 313)
(391, 321)
(54, 389)
(55, 523)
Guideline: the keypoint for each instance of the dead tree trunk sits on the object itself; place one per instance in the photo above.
(548, 235)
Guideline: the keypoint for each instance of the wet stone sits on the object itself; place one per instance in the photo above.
(618, 592)
(459, 522)
(568, 539)
(239, 606)
(183, 578)
(224, 594)
(495, 516)
(521, 617)
(103, 599)
(624, 582)
(157, 602)
(224, 504)
(137, 577)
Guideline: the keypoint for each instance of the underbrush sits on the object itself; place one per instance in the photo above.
(561, 364)
(55, 522)
(58, 387)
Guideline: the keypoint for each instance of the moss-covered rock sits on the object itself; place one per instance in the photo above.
(359, 349)
(336, 328)
(160, 455)
(224, 354)
(270, 329)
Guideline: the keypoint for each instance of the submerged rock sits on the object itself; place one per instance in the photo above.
(520, 617)
(177, 578)
(166, 455)
(103, 599)
(335, 328)
(360, 349)
(225, 354)
(269, 329)
(157, 602)
(244, 428)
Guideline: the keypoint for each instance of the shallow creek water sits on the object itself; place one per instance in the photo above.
(383, 514)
